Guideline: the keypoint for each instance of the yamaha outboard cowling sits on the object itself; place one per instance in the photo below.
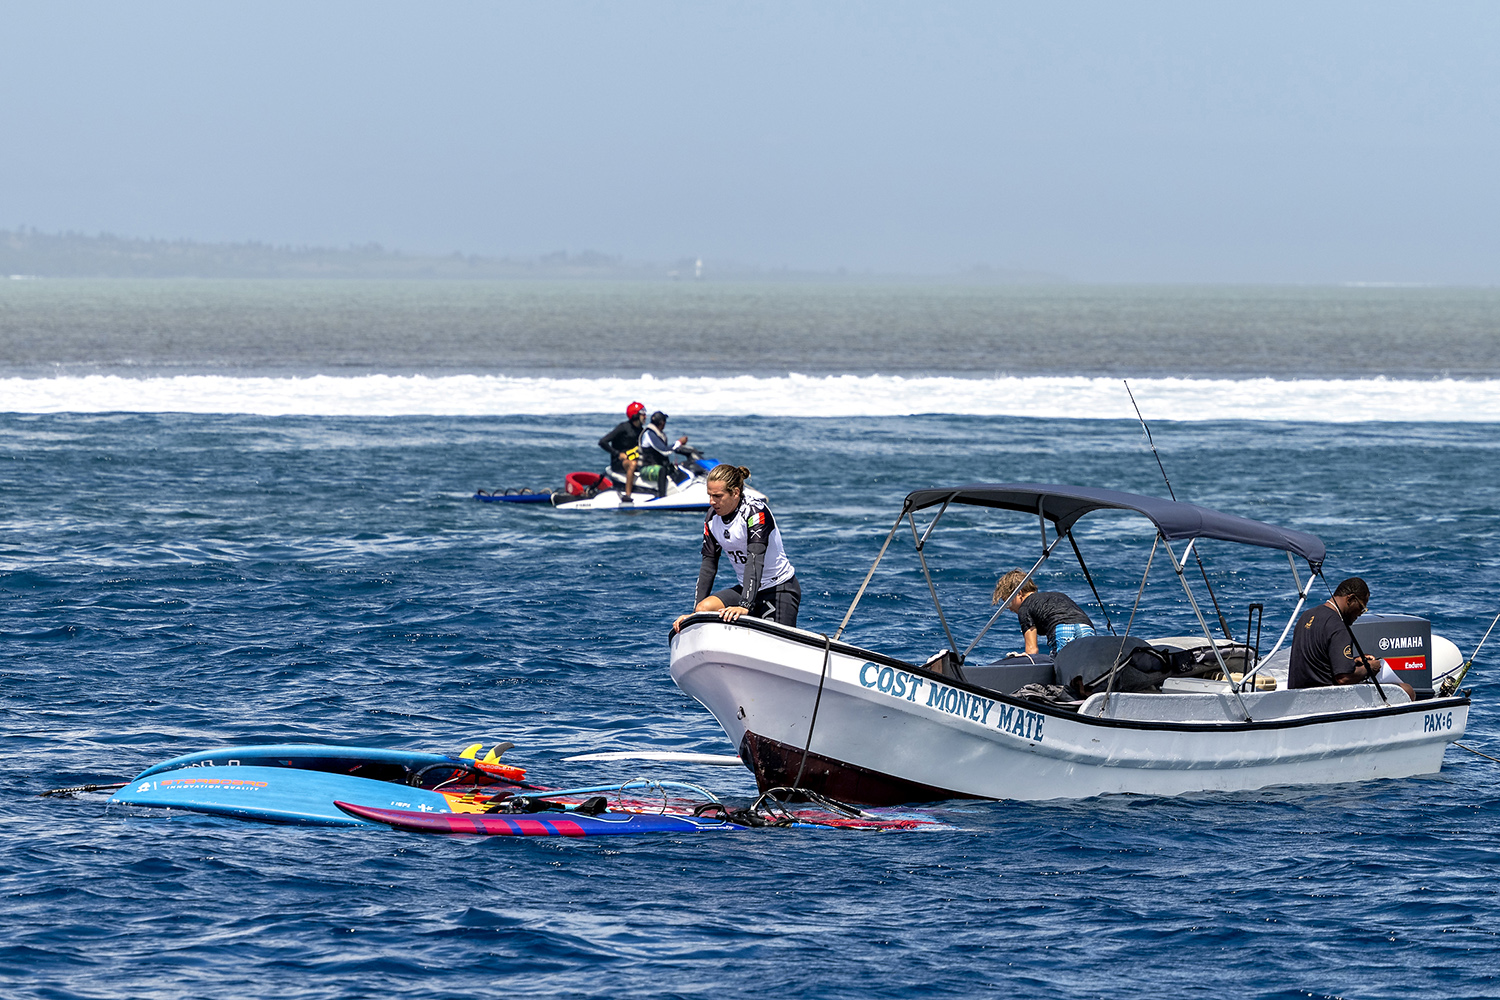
(1403, 641)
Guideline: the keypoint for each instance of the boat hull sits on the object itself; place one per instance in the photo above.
(888, 732)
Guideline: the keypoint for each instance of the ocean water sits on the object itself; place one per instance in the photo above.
(178, 577)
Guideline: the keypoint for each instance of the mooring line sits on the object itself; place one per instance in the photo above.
(1476, 752)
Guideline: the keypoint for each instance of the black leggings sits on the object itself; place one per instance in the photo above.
(778, 604)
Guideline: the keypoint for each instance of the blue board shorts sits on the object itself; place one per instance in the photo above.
(1066, 633)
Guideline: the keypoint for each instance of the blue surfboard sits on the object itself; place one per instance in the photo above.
(365, 762)
(273, 794)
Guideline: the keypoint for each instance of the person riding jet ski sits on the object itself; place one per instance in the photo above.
(623, 444)
(655, 451)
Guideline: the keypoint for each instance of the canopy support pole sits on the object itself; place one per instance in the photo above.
(1097, 599)
(1046, 551)
(1140, 591)
(881, 555)
(1301, 597)
(933, 523)
(931, 589)
(1234, 688)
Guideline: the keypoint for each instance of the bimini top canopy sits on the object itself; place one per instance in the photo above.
(1064, 505)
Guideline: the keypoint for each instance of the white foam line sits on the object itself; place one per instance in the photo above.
(1318, 400)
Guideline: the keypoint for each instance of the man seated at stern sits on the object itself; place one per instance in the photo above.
(1323, 645)
(1046, 613)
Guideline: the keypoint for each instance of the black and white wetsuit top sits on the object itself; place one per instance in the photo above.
(753, 542)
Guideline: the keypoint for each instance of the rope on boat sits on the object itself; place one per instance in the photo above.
(827, 655)
(770, 809)
(1476, 752)
(540, 801)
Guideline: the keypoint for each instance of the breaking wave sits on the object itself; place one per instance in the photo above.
(1315, 400)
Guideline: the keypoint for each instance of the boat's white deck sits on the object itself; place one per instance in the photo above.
(1223, 707)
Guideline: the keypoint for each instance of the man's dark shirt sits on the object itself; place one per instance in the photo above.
(1047, 609)
(621, 439)
(1321, 649)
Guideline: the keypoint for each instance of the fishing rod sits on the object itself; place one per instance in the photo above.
(1370, 674)
(1223, 622)
(1451, 684)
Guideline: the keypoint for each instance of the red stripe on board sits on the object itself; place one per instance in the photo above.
(530, 827)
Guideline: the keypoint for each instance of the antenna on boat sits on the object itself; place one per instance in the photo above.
(1223, 622)
(1170, 492)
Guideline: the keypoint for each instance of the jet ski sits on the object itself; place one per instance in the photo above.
(591, 491)
(688, 490)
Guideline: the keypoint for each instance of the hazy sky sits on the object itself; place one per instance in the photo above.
(1109, 141)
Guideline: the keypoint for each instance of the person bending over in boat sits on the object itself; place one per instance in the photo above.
(1323, 645)
(623, 445)
(744, 528)
(1046, 613)
(656, 453)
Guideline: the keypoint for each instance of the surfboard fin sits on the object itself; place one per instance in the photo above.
(496, 752)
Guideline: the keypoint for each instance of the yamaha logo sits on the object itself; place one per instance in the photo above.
(1401, 642)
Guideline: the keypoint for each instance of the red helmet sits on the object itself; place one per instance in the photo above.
(634, 409)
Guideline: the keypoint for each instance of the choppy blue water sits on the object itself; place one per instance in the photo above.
(176, 582)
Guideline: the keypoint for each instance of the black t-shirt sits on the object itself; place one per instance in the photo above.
(1047, 609)
(1322, 649)
(622, 438)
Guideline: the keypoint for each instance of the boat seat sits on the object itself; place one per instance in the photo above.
(1010, 674)
(1086, 662)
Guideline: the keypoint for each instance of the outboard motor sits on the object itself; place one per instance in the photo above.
(1403, 641)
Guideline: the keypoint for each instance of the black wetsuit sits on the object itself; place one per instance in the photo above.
(620, 440)
(1322, 649)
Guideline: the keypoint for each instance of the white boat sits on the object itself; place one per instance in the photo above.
(809, 711)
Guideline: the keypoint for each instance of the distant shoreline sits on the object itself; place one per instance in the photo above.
(30, 254)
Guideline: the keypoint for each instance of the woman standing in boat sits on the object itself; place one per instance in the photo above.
(743, 527)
